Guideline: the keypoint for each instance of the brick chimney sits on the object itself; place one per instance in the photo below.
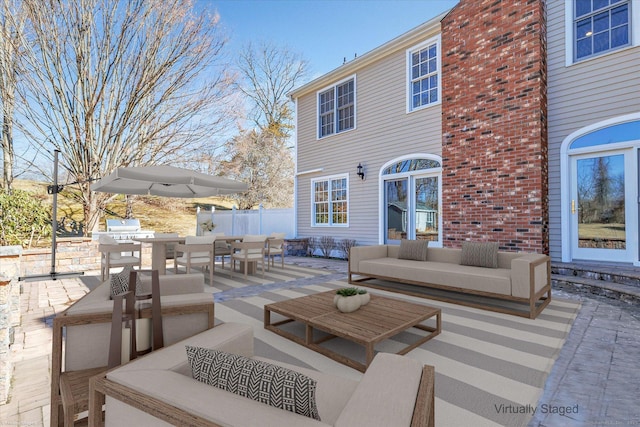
(494, 106)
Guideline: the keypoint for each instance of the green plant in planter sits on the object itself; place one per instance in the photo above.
(347, 300)
(347, 292)
(362, 291)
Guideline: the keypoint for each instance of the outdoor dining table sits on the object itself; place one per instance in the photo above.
(159, 250)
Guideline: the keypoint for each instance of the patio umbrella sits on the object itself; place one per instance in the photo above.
(166, 181)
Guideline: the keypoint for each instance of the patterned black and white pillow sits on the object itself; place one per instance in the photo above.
(254, 379)
(120, 282)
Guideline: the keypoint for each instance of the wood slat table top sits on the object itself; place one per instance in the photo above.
(383, 317)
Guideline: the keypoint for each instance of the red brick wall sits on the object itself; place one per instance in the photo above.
(494, 179)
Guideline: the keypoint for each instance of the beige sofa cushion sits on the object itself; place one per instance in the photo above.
(497, 280)
(332, 392)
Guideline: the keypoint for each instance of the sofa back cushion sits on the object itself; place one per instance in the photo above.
(413, 249)
(480, 254)
(254, 379)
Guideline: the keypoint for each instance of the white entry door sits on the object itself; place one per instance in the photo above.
(604, 208)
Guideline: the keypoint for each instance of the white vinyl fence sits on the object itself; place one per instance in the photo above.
(240, 222)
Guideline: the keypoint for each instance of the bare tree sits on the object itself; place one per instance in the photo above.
(269, 73)
(12, 20)
(261, 156)
(264, 162)
(118, 83)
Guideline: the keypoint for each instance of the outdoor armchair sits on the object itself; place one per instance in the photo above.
(114, 254)
(250, 250)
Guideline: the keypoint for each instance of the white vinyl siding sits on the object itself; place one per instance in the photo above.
(383, 132)
(337, 108)
(580, 95)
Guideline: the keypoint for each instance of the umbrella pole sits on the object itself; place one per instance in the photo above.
(52, 189)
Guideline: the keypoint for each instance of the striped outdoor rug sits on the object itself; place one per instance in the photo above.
(490, 367)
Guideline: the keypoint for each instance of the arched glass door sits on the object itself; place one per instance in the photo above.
(411, 197)
(604, 200)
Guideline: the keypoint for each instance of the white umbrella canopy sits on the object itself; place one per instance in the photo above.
(166, 181)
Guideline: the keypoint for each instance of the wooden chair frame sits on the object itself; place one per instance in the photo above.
(64, 319)
(278, 245)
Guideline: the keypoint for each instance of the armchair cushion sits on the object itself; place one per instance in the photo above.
(254, 379)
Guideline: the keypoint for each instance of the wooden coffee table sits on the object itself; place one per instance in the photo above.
(382, 318)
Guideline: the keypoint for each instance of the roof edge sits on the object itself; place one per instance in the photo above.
(370, 56)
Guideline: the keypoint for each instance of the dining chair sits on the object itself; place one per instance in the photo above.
(221, 248)
(112, 254)
(275, 246)
(196, 251)
(250, 250)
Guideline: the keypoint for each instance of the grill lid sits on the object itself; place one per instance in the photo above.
(120, 225)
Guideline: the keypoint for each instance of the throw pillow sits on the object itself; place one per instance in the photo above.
(120, 282)
(413, 249)
(480, 254)
(254, 379)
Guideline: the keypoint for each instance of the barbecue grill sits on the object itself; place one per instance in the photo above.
(124, 230)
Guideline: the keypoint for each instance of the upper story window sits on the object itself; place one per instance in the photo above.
(600, 26)
(423, 69)
(337, 108)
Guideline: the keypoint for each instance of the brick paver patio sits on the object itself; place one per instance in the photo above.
(597, 369)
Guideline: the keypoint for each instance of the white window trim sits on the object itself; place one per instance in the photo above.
(355, 107)
(569, 33)
(438, 41)
(312, 203)
(381, 179)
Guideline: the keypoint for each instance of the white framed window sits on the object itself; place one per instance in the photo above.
(337, 108)
(598, 27)
(423, 75)
(330, 201)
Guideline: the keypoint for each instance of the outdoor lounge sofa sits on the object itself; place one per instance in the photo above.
(519, 277)
(187, 308)
(158, 390)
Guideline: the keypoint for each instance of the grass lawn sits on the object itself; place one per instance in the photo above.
(160, 214)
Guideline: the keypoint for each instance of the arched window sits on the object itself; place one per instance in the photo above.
(620, 132)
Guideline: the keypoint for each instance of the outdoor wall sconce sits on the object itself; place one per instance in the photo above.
(360, 172)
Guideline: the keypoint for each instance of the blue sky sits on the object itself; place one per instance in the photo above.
(323, 31)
